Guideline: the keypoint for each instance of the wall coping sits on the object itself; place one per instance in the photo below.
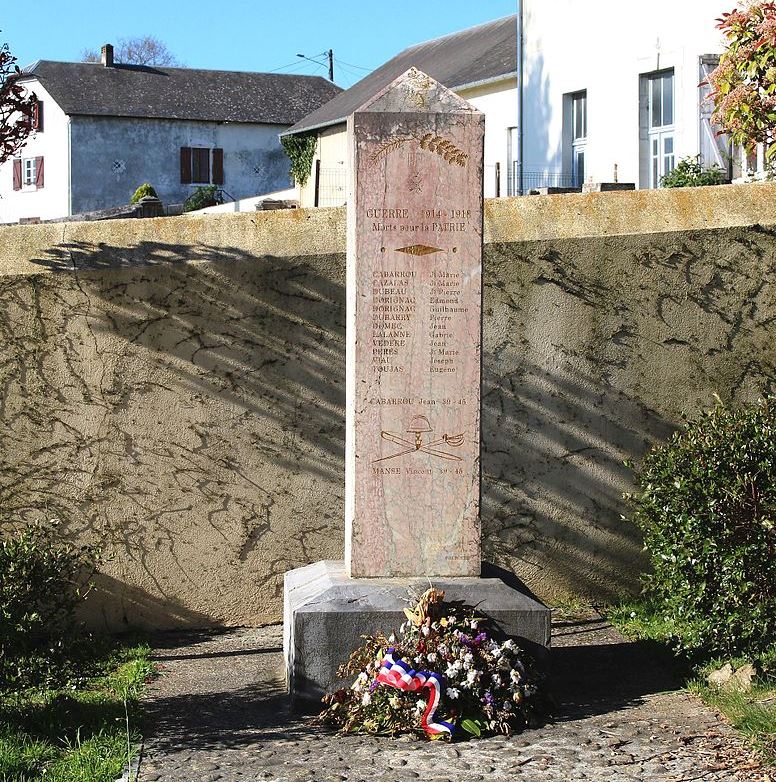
(51, 247)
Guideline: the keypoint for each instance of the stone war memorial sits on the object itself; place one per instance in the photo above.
(414, 335)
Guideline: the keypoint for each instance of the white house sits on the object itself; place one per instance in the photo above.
(613, 91)
(106, 128)
(480, 64)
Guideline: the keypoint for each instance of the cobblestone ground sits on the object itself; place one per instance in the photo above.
(218, 712)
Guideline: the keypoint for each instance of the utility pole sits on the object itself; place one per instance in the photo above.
(329, 54)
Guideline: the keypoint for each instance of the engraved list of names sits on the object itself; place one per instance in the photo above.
(414, 333)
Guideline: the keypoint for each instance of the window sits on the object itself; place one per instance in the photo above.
(202, 166)
(660, 116)
(578, 137)
(513, 174)
(28, 173)
(37, 116)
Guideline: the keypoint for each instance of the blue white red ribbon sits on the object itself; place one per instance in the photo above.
(394, 672)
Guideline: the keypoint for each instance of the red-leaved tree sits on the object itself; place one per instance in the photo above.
(744, 83)
(17, 106)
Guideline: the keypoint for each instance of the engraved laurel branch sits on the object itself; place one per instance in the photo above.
(446, 149)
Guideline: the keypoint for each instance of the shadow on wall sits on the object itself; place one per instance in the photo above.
(184, 405)
(118, 605)
(189, 416)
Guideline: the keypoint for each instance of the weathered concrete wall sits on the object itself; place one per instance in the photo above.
(174, 388)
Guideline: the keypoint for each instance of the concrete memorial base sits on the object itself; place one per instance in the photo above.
(326, 613)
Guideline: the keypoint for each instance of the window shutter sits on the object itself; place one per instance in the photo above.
(37, 116)
(714, 146)
(17, 174)
(38, 172)
(185, 165)
(218, 166)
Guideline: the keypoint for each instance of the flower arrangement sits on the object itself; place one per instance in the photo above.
(446, 660)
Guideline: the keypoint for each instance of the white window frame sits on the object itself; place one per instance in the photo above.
(660, 135)
(578, 136)
(29, 172)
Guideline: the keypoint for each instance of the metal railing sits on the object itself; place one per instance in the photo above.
(533, 179)
(331, 185)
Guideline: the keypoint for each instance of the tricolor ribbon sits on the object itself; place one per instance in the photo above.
(396, 673)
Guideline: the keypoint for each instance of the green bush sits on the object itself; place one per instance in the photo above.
(201, 197)
(144, 190)
(42, 580)
(707, 509)
(690, 173)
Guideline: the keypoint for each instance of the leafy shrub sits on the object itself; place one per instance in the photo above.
(201, 197)
(42, 580)
(690, 173)
(707, 508)
(146, 189)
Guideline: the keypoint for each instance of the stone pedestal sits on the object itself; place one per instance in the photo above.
(326, 613)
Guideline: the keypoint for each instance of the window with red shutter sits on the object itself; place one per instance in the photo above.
(37, 116)
(185, 165)
(218, 166)
(17, 174)
(38, 172)
(200, 165)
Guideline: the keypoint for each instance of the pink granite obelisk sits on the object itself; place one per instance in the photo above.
(414, 291)
(412, 449)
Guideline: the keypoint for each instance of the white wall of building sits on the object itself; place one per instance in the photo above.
(604, 47)
(52, 145)
(497, 100)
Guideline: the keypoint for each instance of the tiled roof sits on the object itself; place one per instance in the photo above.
(181, 93)
(479, 54)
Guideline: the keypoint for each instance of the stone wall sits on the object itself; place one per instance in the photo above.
(173, 388)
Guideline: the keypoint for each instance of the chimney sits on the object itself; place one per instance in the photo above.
(107, 55)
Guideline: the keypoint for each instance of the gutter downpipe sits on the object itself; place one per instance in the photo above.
(520, 92)
(69, 167)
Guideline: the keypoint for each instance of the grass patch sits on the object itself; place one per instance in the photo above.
(751, 712)
(82, 732)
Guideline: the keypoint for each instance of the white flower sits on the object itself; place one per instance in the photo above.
(394, 701)
(431, 657)
(366, 699)
(471, 677)
(391, 639)
(418, 660)
(453, 670)
(508, 644)
(515, 676)
(453, 693)
(496, 678)
(425, 630)
(420, 705)
(442, 649)
(473, 624)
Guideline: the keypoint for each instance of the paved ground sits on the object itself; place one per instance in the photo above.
(218, 712)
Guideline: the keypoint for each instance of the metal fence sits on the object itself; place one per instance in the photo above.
(534, 179)
(331, 186)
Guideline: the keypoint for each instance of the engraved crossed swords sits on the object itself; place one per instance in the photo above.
(419, 426)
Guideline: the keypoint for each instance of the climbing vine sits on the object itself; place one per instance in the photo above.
(300, 149)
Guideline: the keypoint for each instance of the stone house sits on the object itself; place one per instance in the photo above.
(102, 129)
(479, 64)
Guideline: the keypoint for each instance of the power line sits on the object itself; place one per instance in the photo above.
(360, 67)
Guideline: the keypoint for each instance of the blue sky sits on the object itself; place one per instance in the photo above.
(259, 35)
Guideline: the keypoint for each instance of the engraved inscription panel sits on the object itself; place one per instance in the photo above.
(415, 270)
